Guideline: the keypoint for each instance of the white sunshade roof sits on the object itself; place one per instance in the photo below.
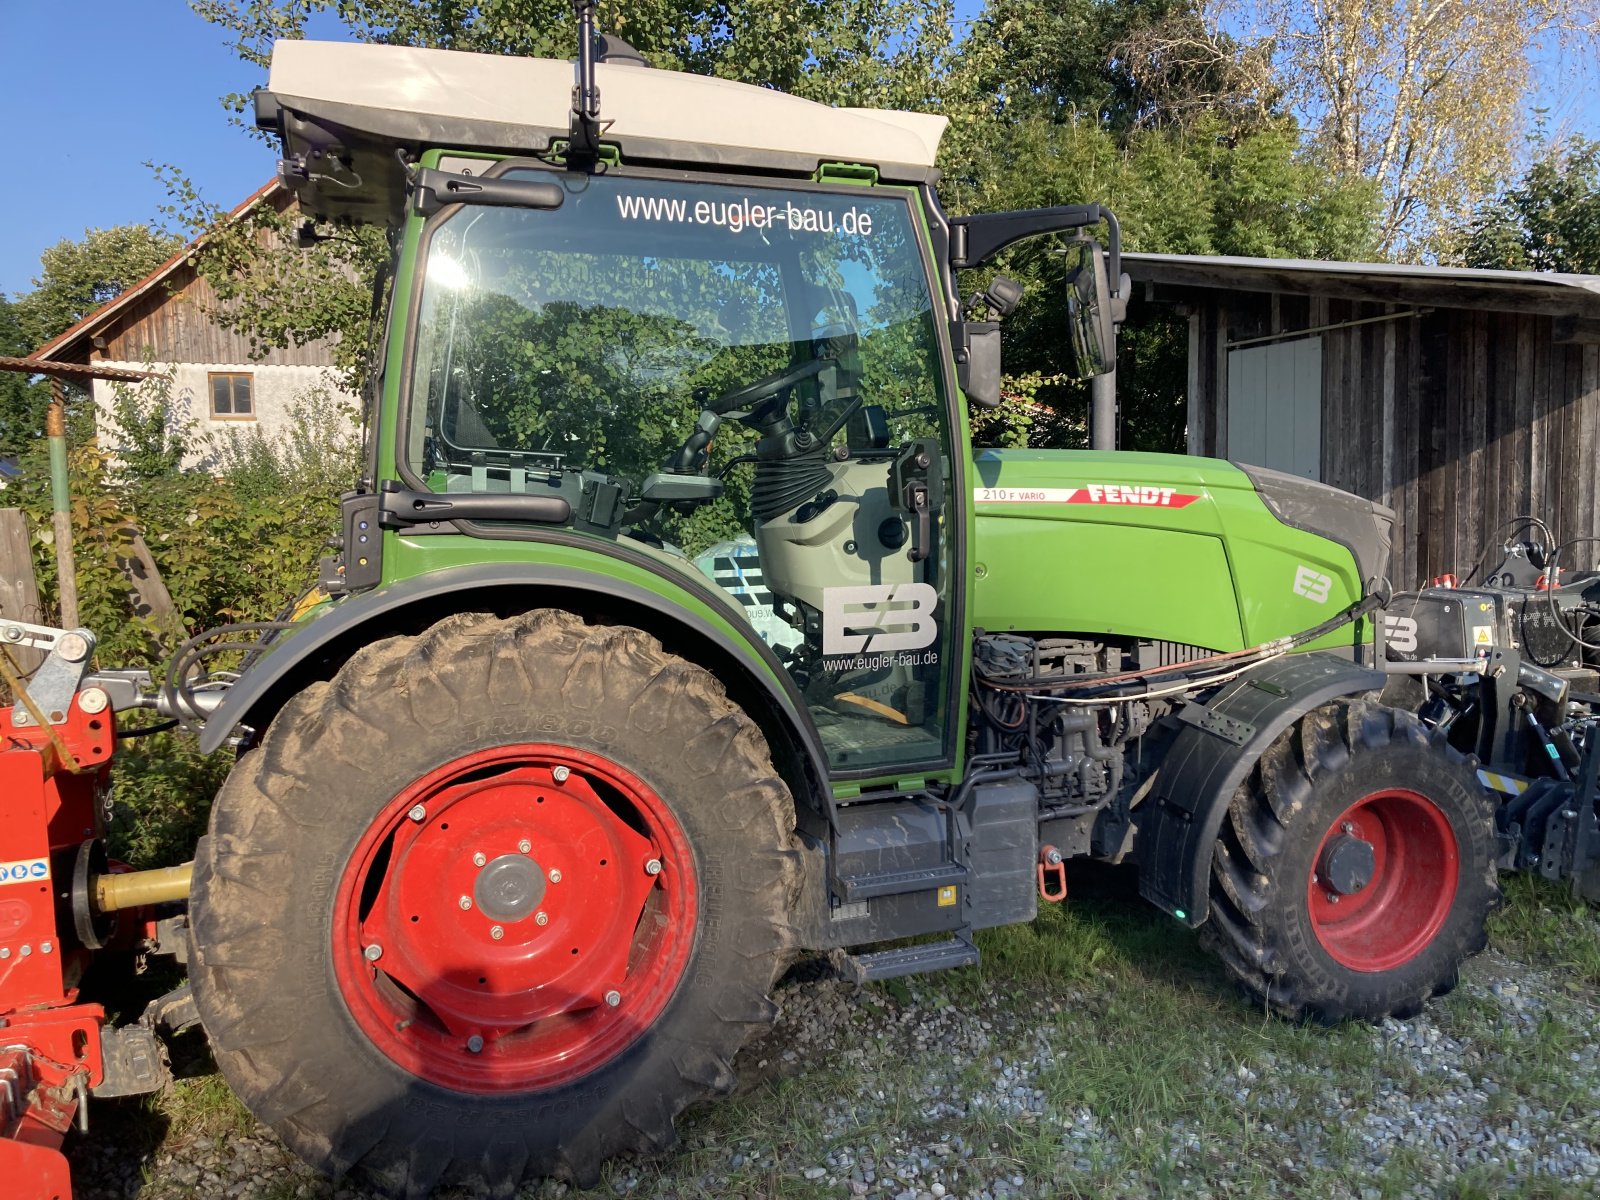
(474, 94)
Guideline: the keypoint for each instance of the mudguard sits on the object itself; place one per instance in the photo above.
(318, 647)
(1211, 756)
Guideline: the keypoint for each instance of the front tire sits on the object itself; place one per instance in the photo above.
(497, 901)
(1355, 870)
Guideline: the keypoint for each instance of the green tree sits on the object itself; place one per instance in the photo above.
(77, 277)
(1547, 221)
(1123, 63)
(864, 52)
(22, 403)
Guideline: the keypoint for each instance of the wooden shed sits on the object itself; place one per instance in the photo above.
(1460, 398)
(221, 380)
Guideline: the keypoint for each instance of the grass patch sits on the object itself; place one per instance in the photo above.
(1541, 923)
(203, 1106)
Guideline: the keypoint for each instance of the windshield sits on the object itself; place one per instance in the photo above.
(691, 365)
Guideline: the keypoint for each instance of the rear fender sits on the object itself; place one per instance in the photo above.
(1218, 744)
(316, 650)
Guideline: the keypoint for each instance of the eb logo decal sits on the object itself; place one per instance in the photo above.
(877, 618)
(1313, 585)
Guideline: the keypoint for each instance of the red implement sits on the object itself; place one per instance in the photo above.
(50, 1053)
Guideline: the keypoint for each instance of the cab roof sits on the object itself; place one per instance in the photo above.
(343, 109)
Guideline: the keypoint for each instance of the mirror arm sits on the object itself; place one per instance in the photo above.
(976, 239)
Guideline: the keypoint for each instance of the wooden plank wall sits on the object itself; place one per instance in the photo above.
(1458, 419)
(170, 325)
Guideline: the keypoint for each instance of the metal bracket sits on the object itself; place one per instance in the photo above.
(58, 678)
(1209, 720)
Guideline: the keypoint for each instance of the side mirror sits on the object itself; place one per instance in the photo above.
(1092, 313)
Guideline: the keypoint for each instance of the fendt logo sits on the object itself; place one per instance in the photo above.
(901, 614)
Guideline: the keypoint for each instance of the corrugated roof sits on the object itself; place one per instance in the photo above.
(1444, 287)
(57, 346)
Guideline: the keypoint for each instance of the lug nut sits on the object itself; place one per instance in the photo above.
(417, 813)
(1347, 827)
(5, 952)
(478, 859)
(1333, 897)
(524, 845)
(496, 932)
(541, 918)
(474, 1044)
(560, 774)
(653, 867)
(555, 875)
(46, 947)
(373, 952)
(26, 950)
(613, 998)
(465, 902)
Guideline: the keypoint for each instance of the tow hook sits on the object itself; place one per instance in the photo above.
(1052, 874)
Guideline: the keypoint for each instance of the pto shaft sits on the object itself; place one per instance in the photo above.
(135, 889)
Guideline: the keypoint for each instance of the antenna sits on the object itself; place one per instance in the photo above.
(584, 138)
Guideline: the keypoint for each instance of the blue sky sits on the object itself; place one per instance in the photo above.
(91, 90)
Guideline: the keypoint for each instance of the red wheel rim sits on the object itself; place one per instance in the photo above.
(515, 919)
(1405, 841)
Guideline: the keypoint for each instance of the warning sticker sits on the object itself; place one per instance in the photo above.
(1483, 635)
(26, 870)
(1093, 493)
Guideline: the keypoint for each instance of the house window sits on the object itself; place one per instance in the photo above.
(231, 399)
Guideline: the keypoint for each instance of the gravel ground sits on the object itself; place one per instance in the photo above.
(1492, 1092)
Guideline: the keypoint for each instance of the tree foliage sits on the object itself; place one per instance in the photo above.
(22, 401)
(862, 52)
(1424, 97)
(1143, 107)
(77, 277)
(1549, 220)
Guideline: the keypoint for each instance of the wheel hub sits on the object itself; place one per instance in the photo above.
(1384, 879)
(500, 923)
(1347, 864)
(509, 888)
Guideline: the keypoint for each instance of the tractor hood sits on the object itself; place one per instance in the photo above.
(1167, 547)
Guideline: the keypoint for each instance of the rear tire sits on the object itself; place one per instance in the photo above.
(390, 1002)
(1355, 869)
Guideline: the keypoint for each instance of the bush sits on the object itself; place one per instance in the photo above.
(236, 538)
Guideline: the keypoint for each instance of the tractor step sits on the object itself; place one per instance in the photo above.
(906, 960)
(898, 883)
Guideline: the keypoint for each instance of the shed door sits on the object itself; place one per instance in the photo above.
(1275, 406)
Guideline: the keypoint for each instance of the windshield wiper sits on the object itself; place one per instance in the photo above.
(433, 190)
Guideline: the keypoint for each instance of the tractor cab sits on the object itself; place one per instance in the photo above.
(714, 339)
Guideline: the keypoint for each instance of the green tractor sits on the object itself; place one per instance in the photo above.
(678, 629)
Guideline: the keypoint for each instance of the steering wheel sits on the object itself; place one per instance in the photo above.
(751, 395)
(751, 404)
